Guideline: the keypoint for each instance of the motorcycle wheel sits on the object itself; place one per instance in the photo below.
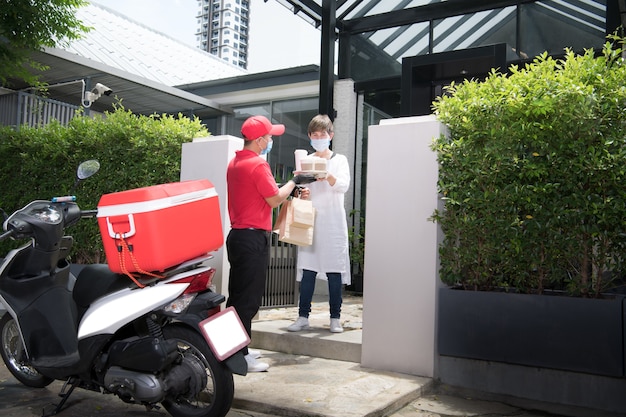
(216, 398)
(14, 355)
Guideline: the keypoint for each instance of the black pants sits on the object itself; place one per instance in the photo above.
(248, 254)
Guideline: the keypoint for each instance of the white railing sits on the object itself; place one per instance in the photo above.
(19, 108)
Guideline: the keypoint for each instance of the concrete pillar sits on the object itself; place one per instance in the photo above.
(208, 158)
(346, 127)
(401, 253)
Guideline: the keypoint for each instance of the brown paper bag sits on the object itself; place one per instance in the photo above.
(302, 212)
(287, 232)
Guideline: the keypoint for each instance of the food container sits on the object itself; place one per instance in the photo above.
(313, 163)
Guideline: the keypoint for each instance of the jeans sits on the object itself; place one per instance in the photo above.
(307, 287)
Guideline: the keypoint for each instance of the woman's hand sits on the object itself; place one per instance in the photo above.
(305, 193)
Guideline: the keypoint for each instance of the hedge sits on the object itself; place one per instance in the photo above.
(134, 151)
(533, 176)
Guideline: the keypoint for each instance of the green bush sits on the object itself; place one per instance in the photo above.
(134, 151)
(533, 176)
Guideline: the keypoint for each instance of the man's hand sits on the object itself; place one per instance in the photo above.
(304, 179)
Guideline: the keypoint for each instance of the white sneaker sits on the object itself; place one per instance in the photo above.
(254, 365)
(335, 326)
(254, 353)
(301, 324)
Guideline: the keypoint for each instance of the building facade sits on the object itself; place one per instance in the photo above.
(223, 27)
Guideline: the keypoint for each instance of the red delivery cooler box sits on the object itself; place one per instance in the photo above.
(157, 227)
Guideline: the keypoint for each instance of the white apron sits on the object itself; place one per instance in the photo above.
(329, 251)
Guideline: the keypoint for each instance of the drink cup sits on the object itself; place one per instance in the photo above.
(299, 155)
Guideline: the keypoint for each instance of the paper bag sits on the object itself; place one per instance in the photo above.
(287, 232)
(303, 213)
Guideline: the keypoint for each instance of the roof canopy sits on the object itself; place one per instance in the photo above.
(141, 65)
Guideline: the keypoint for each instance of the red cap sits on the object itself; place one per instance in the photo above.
(256, 126)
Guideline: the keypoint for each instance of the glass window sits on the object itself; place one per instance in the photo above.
(550, 26)
(233, 123)
(477, 29)
(295, 115)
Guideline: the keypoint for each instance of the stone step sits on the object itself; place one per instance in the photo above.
(317, 341)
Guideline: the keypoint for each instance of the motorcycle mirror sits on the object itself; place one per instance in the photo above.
(87, 168)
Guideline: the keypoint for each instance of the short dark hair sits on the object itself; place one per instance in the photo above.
(321, 122)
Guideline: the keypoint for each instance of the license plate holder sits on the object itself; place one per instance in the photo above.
(224, 333)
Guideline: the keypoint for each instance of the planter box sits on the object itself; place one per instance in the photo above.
(547, 331)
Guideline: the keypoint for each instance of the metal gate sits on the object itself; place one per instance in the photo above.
(280, 284)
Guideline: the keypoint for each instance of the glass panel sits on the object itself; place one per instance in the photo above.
(552, 25)
(371, 117)
(374, 7)
(233, 123)
(295, 115)
(369, 61)
(476, 29)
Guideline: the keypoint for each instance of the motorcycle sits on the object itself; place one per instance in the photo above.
(148, 341)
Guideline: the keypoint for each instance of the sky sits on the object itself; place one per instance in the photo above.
(278, 38)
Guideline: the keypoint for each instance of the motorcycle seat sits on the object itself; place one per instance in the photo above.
(95, 281)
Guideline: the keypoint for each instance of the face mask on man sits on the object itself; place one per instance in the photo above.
(268, 148)
(320, 144)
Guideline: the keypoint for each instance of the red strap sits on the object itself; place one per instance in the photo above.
(125, 248)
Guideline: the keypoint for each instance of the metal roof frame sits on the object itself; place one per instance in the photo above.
(342, 19)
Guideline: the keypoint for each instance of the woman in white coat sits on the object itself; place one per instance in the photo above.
(328, 257)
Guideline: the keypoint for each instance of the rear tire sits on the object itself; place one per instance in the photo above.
(14, 355)
(216, 398)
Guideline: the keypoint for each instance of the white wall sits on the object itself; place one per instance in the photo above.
(208, 158)
(401, 261)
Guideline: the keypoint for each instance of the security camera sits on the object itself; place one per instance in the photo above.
(101, 89)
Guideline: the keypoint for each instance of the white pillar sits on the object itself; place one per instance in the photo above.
(207, 158)
(401, 254)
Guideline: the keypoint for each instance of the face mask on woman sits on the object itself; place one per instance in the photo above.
(320, 144)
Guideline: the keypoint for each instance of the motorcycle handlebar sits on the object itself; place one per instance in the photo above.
(6, 235)
(88, 213)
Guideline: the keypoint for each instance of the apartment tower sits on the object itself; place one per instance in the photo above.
(223, 27)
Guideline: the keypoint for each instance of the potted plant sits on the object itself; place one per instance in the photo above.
(533, 180)
(356, 240)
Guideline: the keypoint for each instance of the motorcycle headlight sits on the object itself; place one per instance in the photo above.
(47, 214)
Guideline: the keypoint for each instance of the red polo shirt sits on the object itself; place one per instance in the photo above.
(250, 182)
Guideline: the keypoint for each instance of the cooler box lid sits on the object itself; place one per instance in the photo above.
(156, 197)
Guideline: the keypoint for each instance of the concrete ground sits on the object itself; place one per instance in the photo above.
(298, 385)
(294, 386)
